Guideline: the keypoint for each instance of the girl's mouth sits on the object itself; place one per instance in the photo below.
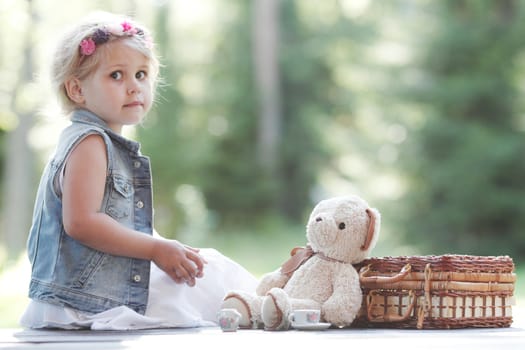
(134, 104)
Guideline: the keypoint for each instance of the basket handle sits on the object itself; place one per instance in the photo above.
(390, 318)
(363, 278)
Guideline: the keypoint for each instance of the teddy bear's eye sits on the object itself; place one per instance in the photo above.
(342, 226)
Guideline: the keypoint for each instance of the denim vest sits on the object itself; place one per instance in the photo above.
(68, 273)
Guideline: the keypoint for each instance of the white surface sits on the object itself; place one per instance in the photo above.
(511, 338)
(311, 326)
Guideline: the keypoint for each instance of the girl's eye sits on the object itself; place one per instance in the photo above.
(117, 75)
(141, 75)
(342, 226)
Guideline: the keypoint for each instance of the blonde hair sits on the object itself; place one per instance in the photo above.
(68, 61)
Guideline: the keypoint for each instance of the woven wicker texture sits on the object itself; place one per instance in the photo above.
(448, 263)
(431, 292)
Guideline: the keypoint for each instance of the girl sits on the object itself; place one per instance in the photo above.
(92, 241)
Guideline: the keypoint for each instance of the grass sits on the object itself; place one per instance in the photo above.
(261, 251)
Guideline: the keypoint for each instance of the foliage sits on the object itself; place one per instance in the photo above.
(216, 152)
(234, 184)
(307, 99)
(465, 163)
(439, 120)
(237, 187)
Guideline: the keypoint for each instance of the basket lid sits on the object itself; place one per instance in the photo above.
(448, 262)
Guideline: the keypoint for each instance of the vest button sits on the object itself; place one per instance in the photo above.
(140, 204)
(136, 278)
(136, 164)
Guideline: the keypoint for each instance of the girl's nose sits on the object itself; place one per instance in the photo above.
(133, 87)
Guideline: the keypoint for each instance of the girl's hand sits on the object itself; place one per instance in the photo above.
(181, 262)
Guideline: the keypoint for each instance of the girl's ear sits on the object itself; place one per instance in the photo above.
(74, 90)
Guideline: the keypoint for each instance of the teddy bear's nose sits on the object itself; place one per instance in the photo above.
(318, 219)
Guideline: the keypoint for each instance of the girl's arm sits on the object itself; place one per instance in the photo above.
(83, 192)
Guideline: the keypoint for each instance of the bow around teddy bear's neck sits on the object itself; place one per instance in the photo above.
(299, 255)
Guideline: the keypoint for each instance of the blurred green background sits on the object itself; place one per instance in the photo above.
(268, 106)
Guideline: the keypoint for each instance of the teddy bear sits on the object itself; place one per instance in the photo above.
(341, 231)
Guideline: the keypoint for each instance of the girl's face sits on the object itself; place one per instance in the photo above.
(120, 90)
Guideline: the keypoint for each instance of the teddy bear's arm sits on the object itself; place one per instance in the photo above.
(271, 280)
(343, 305)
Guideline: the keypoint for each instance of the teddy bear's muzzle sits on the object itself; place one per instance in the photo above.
(322, 230)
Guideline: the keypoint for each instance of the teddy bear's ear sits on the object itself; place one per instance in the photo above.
(374, 216)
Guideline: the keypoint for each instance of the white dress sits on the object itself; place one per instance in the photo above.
(169, 304)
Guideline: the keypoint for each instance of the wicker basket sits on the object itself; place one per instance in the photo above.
(431, 292)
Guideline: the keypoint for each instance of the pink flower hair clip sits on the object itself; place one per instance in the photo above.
(102, 35)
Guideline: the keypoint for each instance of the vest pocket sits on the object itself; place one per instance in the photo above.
(122, 186)
(120, 201)
(93, 264)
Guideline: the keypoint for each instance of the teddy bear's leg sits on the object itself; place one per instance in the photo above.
(277, 306)
(249, 306)
(342, 308)
(275, 309)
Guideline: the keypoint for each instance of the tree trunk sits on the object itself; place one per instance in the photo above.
(265, 33)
